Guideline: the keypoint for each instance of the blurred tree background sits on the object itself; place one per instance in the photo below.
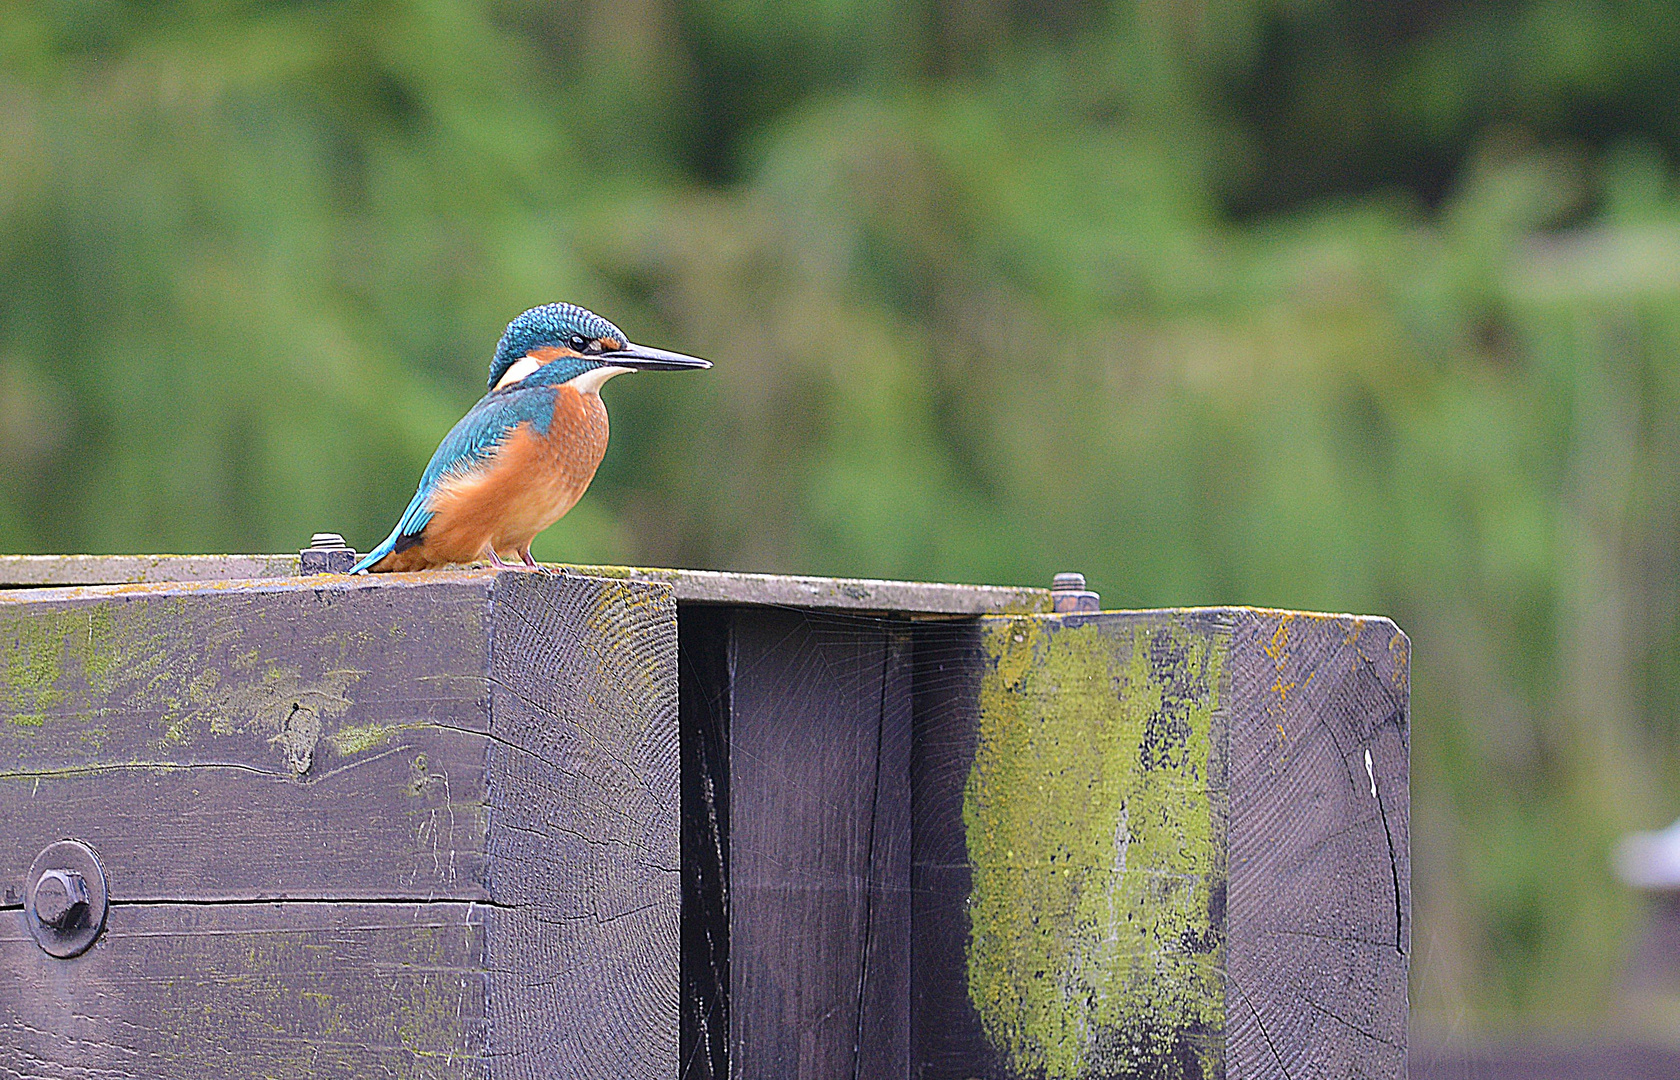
(1306, 303)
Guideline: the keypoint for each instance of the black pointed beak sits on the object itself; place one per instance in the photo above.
(647, 358)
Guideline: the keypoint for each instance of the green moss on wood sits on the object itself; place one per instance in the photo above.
(402, 1000)
(45, 653)
(80, 662)
(34, 658)
(1095, 829)
(359, 738)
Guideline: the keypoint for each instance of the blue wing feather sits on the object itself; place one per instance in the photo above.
(473, 441)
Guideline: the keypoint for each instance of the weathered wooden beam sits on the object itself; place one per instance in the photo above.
(1161, 844)
(703, 696)
(977, 845)
(688, 586)
(1140, 844)
(909, 598)
(819, 738)
(57, 571)
(285, 990)
(796, 743)
(420, 827)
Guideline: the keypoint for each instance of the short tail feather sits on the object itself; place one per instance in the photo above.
(388, 545)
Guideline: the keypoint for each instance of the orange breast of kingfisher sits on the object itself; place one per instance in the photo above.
(528, 486)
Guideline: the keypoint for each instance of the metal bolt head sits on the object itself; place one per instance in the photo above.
(1068, 582)
(327, 553)
(1069, 596)
(66, 899)
(61, 899)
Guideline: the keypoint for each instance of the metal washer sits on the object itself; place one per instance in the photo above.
(79, 857)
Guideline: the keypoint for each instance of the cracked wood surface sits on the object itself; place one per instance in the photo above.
(1320, 846)
(422, 827)
(287, 990)
(1305, 890)
(819, 847)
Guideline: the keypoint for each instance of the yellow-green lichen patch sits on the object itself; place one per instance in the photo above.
(404, 999)
(359, 738)
(46, 652)
(278, 702)
(1094, 823)
(65, 662)
(33, 669)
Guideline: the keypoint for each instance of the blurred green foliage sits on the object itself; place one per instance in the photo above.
(1305, 303)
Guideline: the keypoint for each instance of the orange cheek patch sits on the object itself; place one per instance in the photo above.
(550, 353)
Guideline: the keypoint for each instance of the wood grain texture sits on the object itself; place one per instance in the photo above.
(1307, 888)
(582, 945)
(1320, 893)
(947, 1042)
(56, 571)
(495, 754)
(329, 736)
(690, 586)
(703, 702)
(819, 847)
(282, 990)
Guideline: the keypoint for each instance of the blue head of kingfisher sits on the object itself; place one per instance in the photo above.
(526, 453)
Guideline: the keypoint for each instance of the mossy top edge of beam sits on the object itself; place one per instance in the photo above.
(1254, 609)
(277, 584)
(54, 571)
(854, 594)
(36, 572)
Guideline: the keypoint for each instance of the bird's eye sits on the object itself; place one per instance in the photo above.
(579, 343)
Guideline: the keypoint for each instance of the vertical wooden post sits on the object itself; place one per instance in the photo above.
(1161, 844)
(817, 714)
(703, 1049)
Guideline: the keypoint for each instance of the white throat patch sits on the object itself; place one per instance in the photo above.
(590, 382)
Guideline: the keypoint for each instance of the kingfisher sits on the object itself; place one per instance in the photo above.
(526, 453)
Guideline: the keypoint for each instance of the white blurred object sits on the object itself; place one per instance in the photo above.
(1650, 860)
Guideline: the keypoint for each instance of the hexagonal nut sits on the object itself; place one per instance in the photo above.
(61, 899)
